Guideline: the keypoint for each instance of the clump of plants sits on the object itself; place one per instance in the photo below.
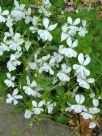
(45, 67)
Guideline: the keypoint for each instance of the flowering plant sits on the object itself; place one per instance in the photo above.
(46, 76)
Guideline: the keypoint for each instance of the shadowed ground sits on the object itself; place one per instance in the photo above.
(15, 125)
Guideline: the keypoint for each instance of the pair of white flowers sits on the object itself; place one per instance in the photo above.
(38, 108)
(81, 72)
(32, 88)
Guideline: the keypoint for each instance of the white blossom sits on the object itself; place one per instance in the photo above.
(29, 89)
(2, 15)
(9, 81)
(63, 73)
(81, 71)
(28, 114)
(78, 108)
(18, 12)
(44, 34)
(37, 107)
(50, 105)
(14, 97)
(85, 83)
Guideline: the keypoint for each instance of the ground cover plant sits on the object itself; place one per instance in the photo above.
(50, 60)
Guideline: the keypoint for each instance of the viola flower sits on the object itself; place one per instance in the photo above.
(92, 124)
(18, 12)
(37, 107)
(46, 68)
(14, 62)
(85, 83)
(63, 74)
(82, 30)
(14, 97)
(55, 59)
(28, 114)
(9, 81)
(28, 18)
(2, 14)
(86, 115)
(29, 89)
(71, 53)
(35, 22)
(78, 108)
(4, 47)
(44, 34)
(81, 71)
(50, 105)
(9, 21)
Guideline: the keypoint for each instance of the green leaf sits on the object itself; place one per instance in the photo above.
(61, 119)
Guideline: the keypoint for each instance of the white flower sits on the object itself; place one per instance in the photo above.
(14, 97)
(70, 21)
(95, 102)
(46, 68)
(92, 124)
(9, 81)
(9, 22)
(73, 25)
(43, 59)
(2, 14)
(28, 114)
(65, 34)
(70, 51)
(4, 47)
(13, 62)
(18, 12)
(92, 95)
(35, 23)
(28, 18)
(62, 75)
(94, 110)
(85, 83)
(29, 88)
(82, 31)
(78, 108)
(50, 106)
(81, 71)
(56, 58)
(87, 115)
(37, 107)
(44, 34)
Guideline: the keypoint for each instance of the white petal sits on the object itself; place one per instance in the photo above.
(64, 36)
(77, 21)
(75, 43)
(81, 58)
(69, 19)
(41, 103)
(52, 27)
(15, 92)
(69, 42)
(5, 12)
(79, 98)
(95, 102)
(87, 60)
(92, 125)
(28, 114)
(16, 3)
(34, 103)
(91, 80)
(46, 22)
